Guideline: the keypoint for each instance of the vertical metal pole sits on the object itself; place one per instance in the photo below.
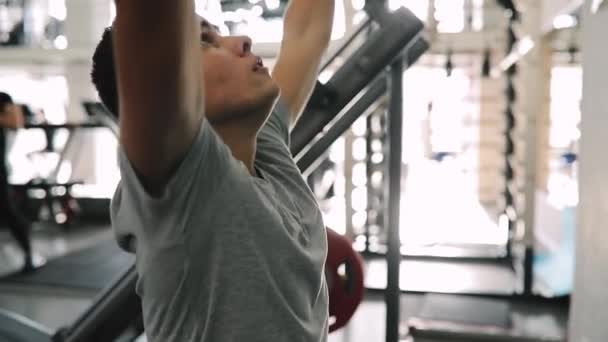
(371, 195)
(393, 255)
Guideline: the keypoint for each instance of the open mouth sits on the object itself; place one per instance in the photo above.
(259, 65)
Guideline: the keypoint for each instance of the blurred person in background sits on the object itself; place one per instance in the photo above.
(11, 117)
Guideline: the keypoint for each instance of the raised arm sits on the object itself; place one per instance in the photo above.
(159, 75)
(306, 35)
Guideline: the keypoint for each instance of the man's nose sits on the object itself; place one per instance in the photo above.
(242, 45)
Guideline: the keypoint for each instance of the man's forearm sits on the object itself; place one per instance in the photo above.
(159, 71)
(306, 34)
(155, 58)
(310, 19)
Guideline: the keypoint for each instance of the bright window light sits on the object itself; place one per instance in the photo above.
(210, 10)
(449, 15)
(57, 9)
(359, 199)
(377, 158)
(477, 15)
(272, 4)
(257, 10)
(359, 174)
(359, 17)
(525, 45)
(394, 4)
(325, 76)
(339, 28)
(564, 21)
(358, 4)
(112, 13)
(359, 127)
(335, 217)
(261, 30)
(359, 219)
(376, 179)
(336, 153)
(566, 96)
(270, 30)
(420, 8)
(359, 149)
(49, 93)
(61, 42)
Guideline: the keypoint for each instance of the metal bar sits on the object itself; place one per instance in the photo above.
(360, 29)
(114, 310)
(364, 105)
(393, 255)
(309, 158)
(371, 219)
(489, 259)
(98, 112)
(367, 63)
(415, 51)
(377, 10)
(473, 334)
(528, 270)
(63, 156)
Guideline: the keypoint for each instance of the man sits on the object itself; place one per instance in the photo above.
(229, 239)
(11, 117)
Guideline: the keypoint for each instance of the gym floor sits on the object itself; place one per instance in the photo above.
(54, 309)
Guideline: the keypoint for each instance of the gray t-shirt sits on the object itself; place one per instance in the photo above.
(225, 256)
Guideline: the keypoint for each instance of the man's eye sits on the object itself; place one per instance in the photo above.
(206, 37)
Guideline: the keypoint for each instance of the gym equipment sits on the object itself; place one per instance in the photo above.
(467, 277)
(465, 334)
(15, 328)
(398, 31)
(344, 273)
(461, 318)
(60, 204)
(101, 115)
(116, 312)
(62, 207)
(88, 271)
(365, 103)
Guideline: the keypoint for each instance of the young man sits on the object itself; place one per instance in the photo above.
(11, 117)
(229, 239)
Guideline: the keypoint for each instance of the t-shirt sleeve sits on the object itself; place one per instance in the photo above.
(204, 167)
(277, 125)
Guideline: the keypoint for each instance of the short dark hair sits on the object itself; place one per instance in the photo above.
(5, 99)
(103, 73)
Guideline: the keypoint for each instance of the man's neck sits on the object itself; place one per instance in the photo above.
(242, 143)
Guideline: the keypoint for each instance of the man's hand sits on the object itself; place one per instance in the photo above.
(306, 35)
(12, 117)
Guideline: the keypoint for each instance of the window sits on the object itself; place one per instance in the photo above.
(419, 7)
(450, 15)
(566, 96)
(262, 21)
